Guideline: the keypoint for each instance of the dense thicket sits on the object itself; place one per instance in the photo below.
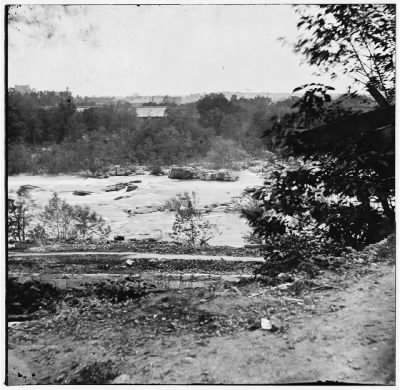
(339, 194)
(46, 133)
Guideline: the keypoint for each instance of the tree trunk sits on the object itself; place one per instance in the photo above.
(378, 97)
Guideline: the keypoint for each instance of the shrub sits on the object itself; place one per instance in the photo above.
(289, 253)
(62, 221)
(179, 201)
(189, 226)
(308, 199)
(88, 223)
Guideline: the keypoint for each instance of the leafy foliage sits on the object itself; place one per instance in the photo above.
(62, 221)
(59, 220)
(354, 39)
(20, 212)
(47, 134)
(290, 253)
(189, 226)
(338, 198)
(344, 191)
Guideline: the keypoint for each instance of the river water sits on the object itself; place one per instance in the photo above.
(152, 190)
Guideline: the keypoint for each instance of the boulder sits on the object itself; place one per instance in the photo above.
(121, 197)
(131, 187)
(183, 173)
(226, 175)
(82, 193)
(208, 175)
(116, 170)
(123, 172)
(116, 187)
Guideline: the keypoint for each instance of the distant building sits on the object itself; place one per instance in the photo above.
(24, 89)
(101, 100)
(82, 108)
(151, 111)
(158, 99)
(172, 100)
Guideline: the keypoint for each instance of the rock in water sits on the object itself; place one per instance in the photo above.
(82, 193)
(131, 187)
(183, 173)
(226, 175)
(208, 175)
(116, 187)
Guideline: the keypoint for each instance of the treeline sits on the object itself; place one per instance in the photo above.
(46, 133)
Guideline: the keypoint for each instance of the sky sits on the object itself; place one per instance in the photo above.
(122, 50)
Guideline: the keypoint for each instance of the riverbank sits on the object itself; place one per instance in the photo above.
(338, 327)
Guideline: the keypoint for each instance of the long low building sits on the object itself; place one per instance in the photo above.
(151, 111)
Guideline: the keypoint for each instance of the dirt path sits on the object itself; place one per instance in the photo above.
(355, 344)
(135, 255)
(348, 336)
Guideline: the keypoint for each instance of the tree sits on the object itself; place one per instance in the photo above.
(342, 191)
(212, 109)
(58, 217)
(354, 39)
(20, 215)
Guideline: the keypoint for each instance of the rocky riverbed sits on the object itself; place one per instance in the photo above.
(134, 208)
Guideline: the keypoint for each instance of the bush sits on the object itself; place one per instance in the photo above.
(291, 253)
(62, 221)
(88, 223)
(315, 197)
(178, 201)
(189, 227)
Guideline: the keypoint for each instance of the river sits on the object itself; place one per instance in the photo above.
(152, 190)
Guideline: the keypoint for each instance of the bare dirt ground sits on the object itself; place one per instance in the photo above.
(344, 332)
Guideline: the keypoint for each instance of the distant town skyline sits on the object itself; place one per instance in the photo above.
(122, 50)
